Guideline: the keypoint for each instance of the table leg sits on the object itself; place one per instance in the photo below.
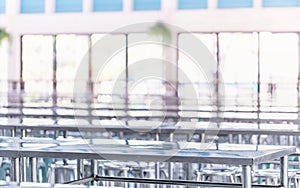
(157, 164)
(171, 165)
(246, 176)
(157, 172)
(94, 169)
(15, 170)
(13, 132)
(23, 169)
(33, 172)
(80, 168)
(284, 171)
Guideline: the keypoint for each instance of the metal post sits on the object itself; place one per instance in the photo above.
(94, 169)
(13, 132)
(258, 99)
(15, 170)
(171, 164)
(284, 171)
(23, 133)
(33, 169)
(157, 169)
(246, 176)
(157, 172)
(23, 169)
(79, 168)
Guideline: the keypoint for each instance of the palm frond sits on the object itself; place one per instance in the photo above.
(3, 35)
(161, 29)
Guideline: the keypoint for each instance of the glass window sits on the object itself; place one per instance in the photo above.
(279, 69)
(196, 76)
(107, 5)
(37, 59)
(280, 3)
(238, 68)
(147, 4)
(235, 3)
(68, 6)
(192, 4)
(72, 64)
(2, 6)
(4, 47)
(32, 6)
(146, 69)
(109, 66)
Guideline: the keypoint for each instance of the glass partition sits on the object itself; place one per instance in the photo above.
(146, 69)
(279, 69)
(72, 66)
(109, 67)
(37, 60)
(238, 58)
(190, 75)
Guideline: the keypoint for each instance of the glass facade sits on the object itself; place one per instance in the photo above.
(2, 6)
(281, 3)
(37, 59)
(147, 5)
(107, 5)
(68, 6)
(235, 4)
(32, 6)
(192, 4)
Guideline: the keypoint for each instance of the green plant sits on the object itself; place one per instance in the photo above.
(3, 35)
(160, 29)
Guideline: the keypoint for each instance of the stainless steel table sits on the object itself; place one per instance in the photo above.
(238, 129)
(151, 151)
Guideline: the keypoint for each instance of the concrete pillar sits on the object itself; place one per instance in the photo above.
(169, 5)
(49, 6)
(212, 4)
(13, 7)
(127, 5)
(87, 6)
(257, 3)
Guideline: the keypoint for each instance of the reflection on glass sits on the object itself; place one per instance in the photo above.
(279, 69)
(238, 68)
(3, 76)
(193, 76)
(72, 64)
(108, 66)
(146, 68)
(37, 59)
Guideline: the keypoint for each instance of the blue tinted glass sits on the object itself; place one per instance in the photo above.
(68, 6)
(280, 3)
(235, 3)
(192, 4)
(32, 6)
(147, 5)
(2, 6)
(107, 5)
